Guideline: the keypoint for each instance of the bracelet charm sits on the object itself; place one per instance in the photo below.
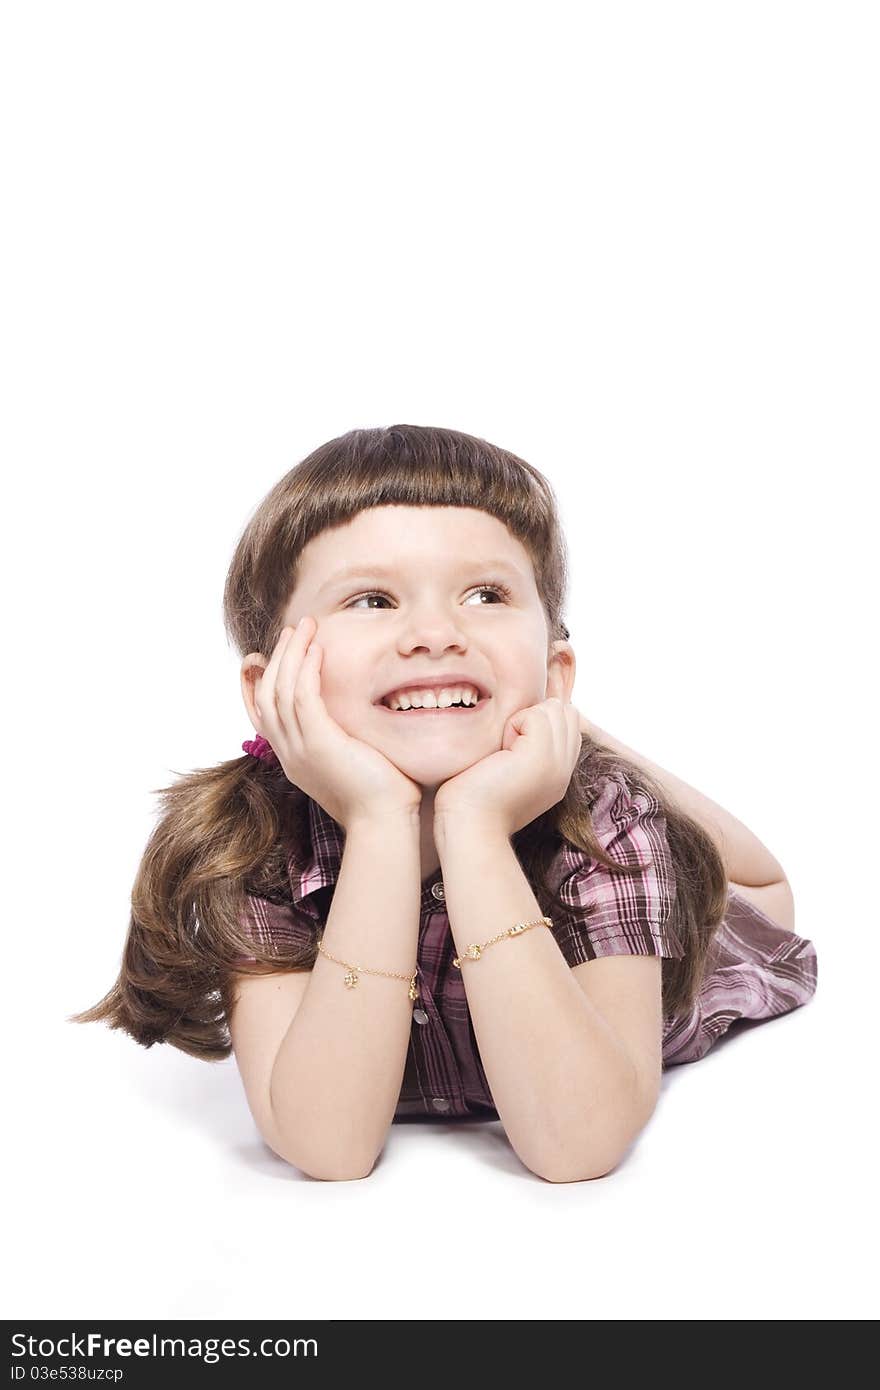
(353, 972)
(474, 952)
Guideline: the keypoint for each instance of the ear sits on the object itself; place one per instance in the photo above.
(252, 669)
(561, 670)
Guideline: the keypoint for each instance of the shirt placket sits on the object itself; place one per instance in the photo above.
(436, 1071)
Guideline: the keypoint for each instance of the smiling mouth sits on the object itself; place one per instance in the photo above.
(414, 714)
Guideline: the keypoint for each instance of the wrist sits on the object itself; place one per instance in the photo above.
(452, 828)
(394, 820)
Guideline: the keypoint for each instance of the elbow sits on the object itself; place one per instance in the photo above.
(332, 1174)
(775, 900)
(332, 1167)
(593, 1156)
(576, 1162)
(573, 1171)
(332, 1170)
(327, 1158)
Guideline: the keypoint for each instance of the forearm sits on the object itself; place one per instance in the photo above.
(561, 1082)
(337, 1076)
(746, 859)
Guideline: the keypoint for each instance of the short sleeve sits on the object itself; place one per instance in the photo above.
(277, 927)
(615, 914)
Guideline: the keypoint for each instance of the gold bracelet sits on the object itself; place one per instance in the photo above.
(474, 952)
(355, 972)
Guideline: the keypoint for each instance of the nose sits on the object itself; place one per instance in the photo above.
(433, 634)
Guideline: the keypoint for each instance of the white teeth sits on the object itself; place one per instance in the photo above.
(433, 699)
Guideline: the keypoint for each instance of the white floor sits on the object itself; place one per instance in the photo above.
(141, 1188)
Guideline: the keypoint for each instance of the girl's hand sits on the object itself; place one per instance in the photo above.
(349, 778)
(506, 790)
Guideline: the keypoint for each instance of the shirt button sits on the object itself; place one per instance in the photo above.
(438, 890)
(420, 1016)
(440, 1103)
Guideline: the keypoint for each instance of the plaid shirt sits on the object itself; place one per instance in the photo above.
(756, 969)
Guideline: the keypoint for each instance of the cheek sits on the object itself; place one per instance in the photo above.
(353, 712)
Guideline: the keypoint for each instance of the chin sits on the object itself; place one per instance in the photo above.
(432, 771)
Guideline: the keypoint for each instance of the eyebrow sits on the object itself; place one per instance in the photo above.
(351, 572)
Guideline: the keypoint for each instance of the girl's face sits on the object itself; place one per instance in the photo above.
(396, 594)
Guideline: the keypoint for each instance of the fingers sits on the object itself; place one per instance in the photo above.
(264, 689)
(570, 738)
(567, 725)
(294, 657)
(575, 733)
(306, 695)
(266, 695)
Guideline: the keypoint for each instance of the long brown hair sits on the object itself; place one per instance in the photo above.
(227, 830)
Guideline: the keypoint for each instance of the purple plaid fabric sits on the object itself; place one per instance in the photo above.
(756, 968)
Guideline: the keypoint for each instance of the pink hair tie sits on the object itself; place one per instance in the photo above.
(260, 748)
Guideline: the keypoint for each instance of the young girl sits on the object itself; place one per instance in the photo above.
(431, 887)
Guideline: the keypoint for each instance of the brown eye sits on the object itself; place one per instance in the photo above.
(500, 590)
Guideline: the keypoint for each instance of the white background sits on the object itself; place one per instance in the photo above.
(637, 245)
